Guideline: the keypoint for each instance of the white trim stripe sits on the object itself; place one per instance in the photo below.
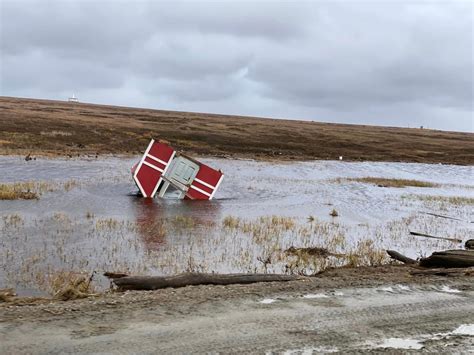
(156, 188)
(140, 165)
(162, 175)
(204, 183)
(167, 165)
(201, 191)
(217, 186)
(157, 159)
(140, 187)
(153, 166)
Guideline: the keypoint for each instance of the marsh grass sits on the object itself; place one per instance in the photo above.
(387, 182)
(32, 190)
(366, 254)
(169, 245)
(453, 200)
(18, 191)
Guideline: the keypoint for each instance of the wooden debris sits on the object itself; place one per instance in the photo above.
(434, 237)
(400, 257)
(442, 259)
(469, 244)
(447, 217)
(114, 275)
(190, 279)
(449, 259)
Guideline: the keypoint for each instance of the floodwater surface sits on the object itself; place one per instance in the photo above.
(88, 218)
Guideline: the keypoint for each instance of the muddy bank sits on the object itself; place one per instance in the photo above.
(25, 308)
(67, 129)
(361, 309)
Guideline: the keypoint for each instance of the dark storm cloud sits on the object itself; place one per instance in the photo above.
(391, 63)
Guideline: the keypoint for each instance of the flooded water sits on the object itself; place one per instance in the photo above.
(88, 218)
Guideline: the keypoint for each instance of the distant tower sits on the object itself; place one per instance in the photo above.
(73, 99)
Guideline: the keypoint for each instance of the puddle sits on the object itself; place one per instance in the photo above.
(401, 343)
(99, 224)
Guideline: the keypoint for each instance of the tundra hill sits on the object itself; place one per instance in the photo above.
(44, 127)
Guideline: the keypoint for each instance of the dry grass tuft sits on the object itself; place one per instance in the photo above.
(32, 190)
(67, 285)
(18, 191)
(7, 294)
(366, 254)
(453, 200)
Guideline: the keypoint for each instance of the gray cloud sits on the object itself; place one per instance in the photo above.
(393, 63)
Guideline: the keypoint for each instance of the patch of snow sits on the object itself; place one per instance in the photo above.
(337, 293)
(404, 287)
(267, 300)
(448, 289)
(401, 343)
(386, 289)
(464, 329)
(315, 295)
(310, 351)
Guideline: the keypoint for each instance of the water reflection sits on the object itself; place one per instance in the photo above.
(160, 220)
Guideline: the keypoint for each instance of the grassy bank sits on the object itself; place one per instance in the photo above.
(60, 128)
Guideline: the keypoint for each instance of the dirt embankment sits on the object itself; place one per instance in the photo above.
(59, 128)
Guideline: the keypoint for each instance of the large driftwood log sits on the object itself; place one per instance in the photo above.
(440, 259)
(400, 257)
(189, 279)
(449, 259)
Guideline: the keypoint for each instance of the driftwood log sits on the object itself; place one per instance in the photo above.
(400, 257)
(439, 259)
(449, 259)
(455, 240)
(190, 279)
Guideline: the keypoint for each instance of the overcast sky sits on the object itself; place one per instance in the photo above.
(398, 63)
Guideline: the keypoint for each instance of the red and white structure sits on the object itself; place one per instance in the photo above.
(162, 169)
